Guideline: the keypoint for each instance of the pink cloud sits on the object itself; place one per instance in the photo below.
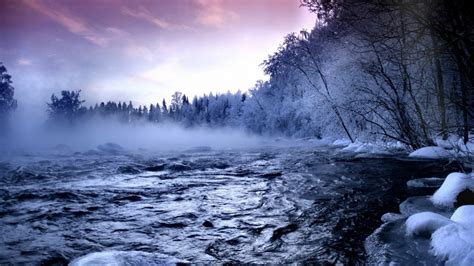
(213, 13)
(70, 22)
(143, 13)
(24, 62)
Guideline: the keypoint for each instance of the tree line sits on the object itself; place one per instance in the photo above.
(370, 69)
(211, 110)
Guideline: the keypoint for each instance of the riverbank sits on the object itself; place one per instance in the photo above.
(433, 225)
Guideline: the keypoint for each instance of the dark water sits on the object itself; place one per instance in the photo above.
(269, 205)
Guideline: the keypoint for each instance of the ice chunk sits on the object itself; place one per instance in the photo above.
(390, 217)
(454, 184)
(428, 182)
(425, 223)
(390, 245)
(432, 152)
(414, 205)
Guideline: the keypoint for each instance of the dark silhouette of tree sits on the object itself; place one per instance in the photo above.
(67, 109)
(7, 102)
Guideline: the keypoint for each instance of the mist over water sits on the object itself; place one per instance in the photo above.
(138, 136)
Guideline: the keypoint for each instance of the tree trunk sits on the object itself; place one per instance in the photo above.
(439, 86)
(338, 114)
(464, 107)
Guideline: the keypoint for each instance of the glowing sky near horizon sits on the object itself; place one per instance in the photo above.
(141, 50)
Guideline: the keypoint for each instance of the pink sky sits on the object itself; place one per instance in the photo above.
(141, 50)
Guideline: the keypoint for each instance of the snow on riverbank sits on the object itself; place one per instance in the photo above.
(452, 239)
(432, 152)
(453, 147)
(378, 147)
(438, 228)
(452, 187)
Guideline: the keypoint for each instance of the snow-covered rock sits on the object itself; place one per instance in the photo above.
(455, 183)
(432, 152)
(425, 223)
(464, 215)
(452, 240)
(433, 233)
(453, 243)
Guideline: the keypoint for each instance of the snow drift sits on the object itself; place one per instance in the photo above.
(455, 183)
(432, 152)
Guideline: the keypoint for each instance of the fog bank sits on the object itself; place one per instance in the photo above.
(139, 136)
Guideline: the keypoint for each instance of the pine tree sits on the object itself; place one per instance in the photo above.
(67, 109)
(7, 102)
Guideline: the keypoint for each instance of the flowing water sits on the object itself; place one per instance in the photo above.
(265, 205)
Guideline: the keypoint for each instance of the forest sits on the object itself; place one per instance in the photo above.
(369, 70)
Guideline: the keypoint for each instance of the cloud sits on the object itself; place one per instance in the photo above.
(139, 51)
(71, 23)
(116, 32)
(144, 14)
(178, 73)
(24, 62)
(213, 13)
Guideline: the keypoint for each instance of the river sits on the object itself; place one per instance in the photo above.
(293, 203)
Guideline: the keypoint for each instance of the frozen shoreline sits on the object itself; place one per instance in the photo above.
(429, 230)
(433, 229)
